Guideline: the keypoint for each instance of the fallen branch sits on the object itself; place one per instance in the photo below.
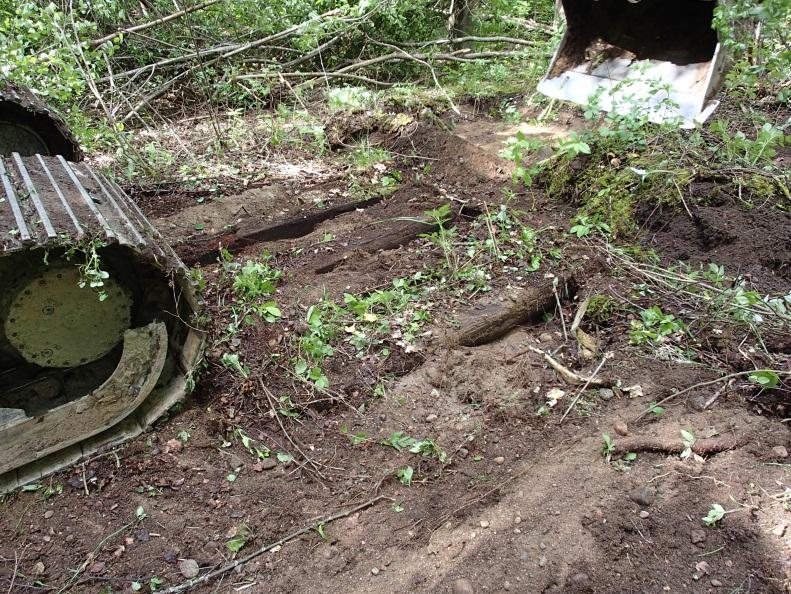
(564, 372)
(187, 585)
(702, 447)
(585, 385)
(473, 38)
(97, 42)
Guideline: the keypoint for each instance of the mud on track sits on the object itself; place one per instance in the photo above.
(526, 505)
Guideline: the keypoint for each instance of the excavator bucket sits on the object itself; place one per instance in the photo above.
(97, 331)
(659, 57)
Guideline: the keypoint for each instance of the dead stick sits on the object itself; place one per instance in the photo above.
(703, 385)
(585, 387)
(564, 372)
(271, 400)
(184, 586)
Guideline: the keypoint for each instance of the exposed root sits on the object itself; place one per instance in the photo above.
(702, 447)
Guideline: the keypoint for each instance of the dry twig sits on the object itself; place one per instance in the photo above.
(189, 584)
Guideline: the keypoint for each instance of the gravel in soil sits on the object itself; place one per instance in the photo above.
(524, 504)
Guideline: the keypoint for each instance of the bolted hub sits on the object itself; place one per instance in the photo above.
(52, 322)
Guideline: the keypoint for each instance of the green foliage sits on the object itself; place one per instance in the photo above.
(762, 62)
(716, 513)
(766, 378)
(759, 152)
(654, 327)
(256, 279)
(607, 447)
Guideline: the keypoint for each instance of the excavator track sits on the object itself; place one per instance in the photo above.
(97, 332)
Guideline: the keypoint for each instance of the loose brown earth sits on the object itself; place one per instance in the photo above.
(526, 505)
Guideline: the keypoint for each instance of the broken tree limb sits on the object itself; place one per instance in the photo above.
(205, 578)
(702, 447)
(519, 306)
(97, 42)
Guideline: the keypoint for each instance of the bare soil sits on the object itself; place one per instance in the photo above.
(527, 504)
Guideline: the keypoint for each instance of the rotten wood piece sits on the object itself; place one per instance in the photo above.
(519, 306)
(702, 447)
(396, 237)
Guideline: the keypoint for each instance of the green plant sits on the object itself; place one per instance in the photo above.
(429, 448)
(583, 225)
(607, 447)
(232, 362)
(654, 327)
(255, 280)
(762, 62)
(736, 147)
(404, 475)
(91, 273)
(765, 378)
(398, 441)
(716, 513)
(521, 148)
(237, 542)
(688, 439)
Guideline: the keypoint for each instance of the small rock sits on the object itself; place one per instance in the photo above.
(697, 536)
(97, 567)
(484, 523)
(234, 462)
(463, 586)
(170, 556)
(545, 337)
(142, 535)
(518, 520)
(38, 568)
(174, 445)
(431, 418)
(48, 514)
(499, 460)
(644, 514)
(542, 546)
(189, 568)
(644, 496)
(579, 580)
(524, 556)
(542, 561)
(621, 428)
(464, 452)
(606, 393)
(780, 452)
(716, 583)
(265, 464)
(374, 571)
(506, 586)
(779, 529)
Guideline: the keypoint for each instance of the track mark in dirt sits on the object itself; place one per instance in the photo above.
(208, 250)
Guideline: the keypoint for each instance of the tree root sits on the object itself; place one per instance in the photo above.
(702, 447)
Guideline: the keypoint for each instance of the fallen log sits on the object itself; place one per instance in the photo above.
(394, 238)
(520, 305)
(702, 447)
